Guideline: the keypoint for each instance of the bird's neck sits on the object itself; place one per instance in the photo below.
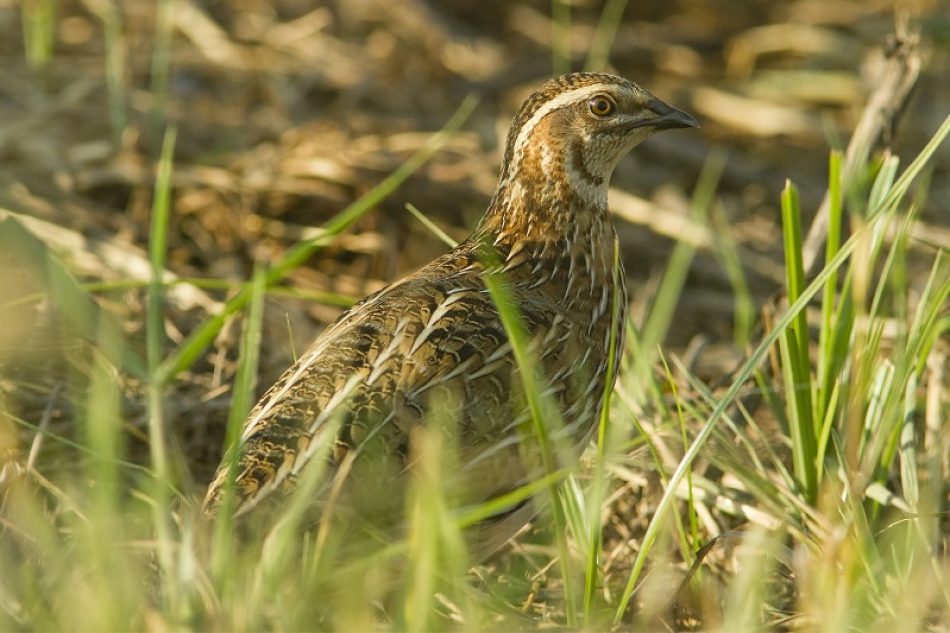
(548, 190)
(553, 242)
(546, 208)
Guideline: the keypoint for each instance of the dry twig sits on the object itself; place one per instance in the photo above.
(877, 125)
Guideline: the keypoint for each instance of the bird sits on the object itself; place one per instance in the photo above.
(433, 346)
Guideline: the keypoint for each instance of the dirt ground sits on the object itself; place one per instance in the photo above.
(287, 111)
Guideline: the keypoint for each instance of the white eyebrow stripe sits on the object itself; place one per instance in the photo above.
(547, 108)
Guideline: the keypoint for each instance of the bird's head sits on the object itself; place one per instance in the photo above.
(575, 129)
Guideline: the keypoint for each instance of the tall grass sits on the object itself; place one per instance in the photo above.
(869, 397)
(154, 347)
(545, 424)
(116, 64)
(603, 38)
(160, 68)
(38, 19)
(561, 37)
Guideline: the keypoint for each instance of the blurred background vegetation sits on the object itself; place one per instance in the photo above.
(286, 112)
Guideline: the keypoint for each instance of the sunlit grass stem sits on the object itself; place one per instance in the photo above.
(154, 344)
(599, 480)
(222, 556)
(561, 38)
(604, 35)
(39, 31)
(796, 363)
(160, 67)
(542, 415)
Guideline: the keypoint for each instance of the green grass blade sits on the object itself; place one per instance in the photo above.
(116, 67)
(604, 35)
(728, 256)
(160, 63)
(599, 486)
(157, 250)
(933, 301)
(103, 436)
(432, 226)
(561, 41)
(826, 362)
(154, 342)
(674, 277)
(897, 192)
(884, 181)
(542, 413)
(244, 380)
(82, 447)
(39, 31)
(468, 517)
(794, 350)
(77, 306)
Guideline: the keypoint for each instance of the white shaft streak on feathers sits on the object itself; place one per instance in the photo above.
(379, 365)
(338, 398)
(437, 315)
(306, 361)
(294, 466)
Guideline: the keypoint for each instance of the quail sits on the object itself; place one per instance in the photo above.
(432, 345)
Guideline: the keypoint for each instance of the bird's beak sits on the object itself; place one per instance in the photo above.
(667, 117)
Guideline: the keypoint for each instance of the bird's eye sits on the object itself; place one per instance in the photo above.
(601, 106)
